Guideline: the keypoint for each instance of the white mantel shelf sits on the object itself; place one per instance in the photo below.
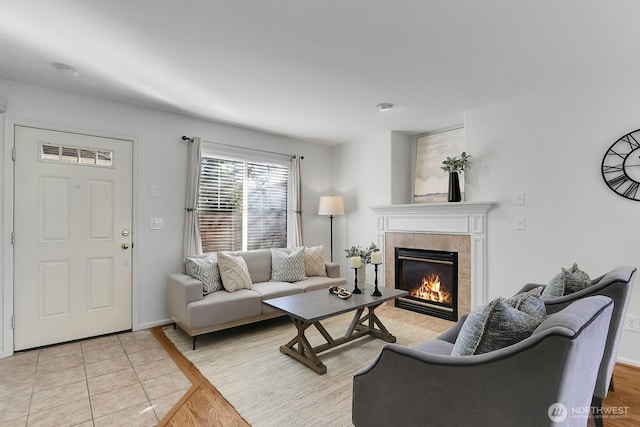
(456, 218)
(463, 218)
(434, 208)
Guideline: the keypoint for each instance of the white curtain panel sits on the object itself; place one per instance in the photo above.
(192, 244)
(294, 219)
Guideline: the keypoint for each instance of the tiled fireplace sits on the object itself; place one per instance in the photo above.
(458, 228)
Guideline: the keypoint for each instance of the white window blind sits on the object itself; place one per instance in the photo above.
(242, 204)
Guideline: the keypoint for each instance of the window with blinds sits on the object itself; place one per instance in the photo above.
(242, 204)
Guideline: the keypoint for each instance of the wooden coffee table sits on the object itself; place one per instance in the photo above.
(310, 308)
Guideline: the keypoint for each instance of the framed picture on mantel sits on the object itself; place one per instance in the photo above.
(431, 182)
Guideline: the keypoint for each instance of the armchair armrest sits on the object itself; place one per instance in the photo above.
(333, 269)
(182, 290)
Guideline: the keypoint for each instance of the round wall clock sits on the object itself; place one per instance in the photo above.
(621, 166)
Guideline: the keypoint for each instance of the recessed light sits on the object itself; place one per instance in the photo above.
(66, 70)
(385, 106)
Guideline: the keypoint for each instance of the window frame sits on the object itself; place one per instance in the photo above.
(236, 154)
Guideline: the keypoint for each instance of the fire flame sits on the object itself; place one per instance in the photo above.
(430, 290)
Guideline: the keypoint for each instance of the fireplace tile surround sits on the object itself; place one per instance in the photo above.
(438, 242)
(458, 227)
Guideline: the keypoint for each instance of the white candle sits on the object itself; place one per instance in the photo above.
(356, 262)
(376, 258)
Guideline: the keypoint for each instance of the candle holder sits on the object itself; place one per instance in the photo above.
(356, 290)
(376, 292)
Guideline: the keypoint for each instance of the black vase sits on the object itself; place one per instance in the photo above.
(454, 187)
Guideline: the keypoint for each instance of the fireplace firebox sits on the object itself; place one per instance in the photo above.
(431, 278)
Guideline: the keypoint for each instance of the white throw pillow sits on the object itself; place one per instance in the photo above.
(234, 272)
(287, 267)
(314, 264)
(206, 270)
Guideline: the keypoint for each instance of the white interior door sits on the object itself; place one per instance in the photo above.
(72, 224)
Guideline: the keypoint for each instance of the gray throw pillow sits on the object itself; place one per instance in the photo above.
(530, 302)
(287, 267)
(206, 270)
(566, 282)
(500, 323)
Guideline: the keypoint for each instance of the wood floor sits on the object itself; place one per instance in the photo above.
(203, 405)
(626, 397)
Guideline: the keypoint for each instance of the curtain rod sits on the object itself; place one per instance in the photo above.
(190, 139)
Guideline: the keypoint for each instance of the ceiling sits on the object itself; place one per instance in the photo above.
(315, 69)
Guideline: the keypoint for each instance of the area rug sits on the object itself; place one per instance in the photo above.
(269, 388)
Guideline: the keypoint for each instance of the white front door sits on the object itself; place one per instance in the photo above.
(72, 224)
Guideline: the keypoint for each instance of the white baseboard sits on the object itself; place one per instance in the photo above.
(627, 361)
(153, 324)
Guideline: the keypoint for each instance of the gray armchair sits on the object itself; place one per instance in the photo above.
(514, 386)
(617, 285)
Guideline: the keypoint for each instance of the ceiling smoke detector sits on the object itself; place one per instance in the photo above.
(385, 106)
(66, 70)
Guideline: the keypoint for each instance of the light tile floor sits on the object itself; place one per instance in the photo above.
(117, 380)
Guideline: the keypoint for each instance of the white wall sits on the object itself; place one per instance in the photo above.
(402, 168)
(363, 177)
(160, 159)
(549, 145)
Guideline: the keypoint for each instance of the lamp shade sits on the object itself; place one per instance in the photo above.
(331, 205)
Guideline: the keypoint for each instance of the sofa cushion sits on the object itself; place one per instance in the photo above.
(234, 272)
(274, 290)
(259, 264)
(223, 307)
(287, 267)
(317, 282)
(566, 282)
(206, 270)
(314, 264)
(500, 323)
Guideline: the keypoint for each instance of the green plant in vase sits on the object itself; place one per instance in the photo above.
(455, 165)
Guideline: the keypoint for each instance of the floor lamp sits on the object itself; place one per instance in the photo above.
(331, 205)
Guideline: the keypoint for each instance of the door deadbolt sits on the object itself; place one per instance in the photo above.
(125, 233)
(124, 246)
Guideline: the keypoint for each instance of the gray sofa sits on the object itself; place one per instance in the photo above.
(198, 314)
(513, 386)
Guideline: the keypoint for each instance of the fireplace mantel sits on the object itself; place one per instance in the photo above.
(463, 218)
(460, 207)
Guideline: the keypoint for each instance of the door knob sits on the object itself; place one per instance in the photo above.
(124, 246)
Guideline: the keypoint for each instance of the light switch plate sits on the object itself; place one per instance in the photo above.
(519, 198)
(521, 223)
